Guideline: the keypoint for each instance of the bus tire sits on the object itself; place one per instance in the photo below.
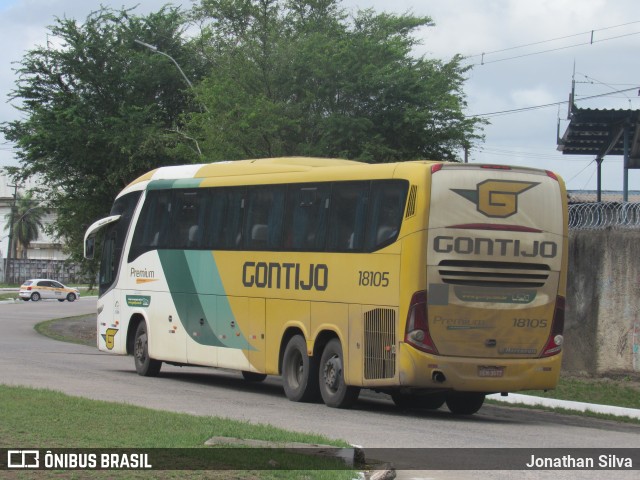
(145, 365)
(335, 392)
(253, 376)
(427, 402)
(465, 403)
(299, 372)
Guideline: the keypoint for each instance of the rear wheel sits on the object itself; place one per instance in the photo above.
(465, 403)
(253, 376)
(299, 372)
(335, 392)
(35, 296)
(411, 400)
(145, 365)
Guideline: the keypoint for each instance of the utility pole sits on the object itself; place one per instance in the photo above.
(8, 277)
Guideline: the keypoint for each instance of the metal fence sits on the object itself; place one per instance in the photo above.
(600, 216)
(21, 269)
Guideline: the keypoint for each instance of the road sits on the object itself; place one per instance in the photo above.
(27, 358)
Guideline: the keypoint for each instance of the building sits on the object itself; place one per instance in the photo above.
(44, 254)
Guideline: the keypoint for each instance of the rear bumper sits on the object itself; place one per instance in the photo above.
(462, 374)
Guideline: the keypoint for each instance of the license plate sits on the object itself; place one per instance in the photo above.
(494, 372)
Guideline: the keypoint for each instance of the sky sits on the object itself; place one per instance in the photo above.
(533, 50)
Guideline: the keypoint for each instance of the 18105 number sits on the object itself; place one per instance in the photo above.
(368, 278)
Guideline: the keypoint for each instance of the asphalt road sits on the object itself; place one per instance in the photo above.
(27, 358)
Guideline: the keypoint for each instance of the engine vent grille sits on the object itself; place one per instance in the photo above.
(493, 274)
(379, 343)
(411, 202)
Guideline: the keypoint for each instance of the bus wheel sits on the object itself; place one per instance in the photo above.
(145, 366)
(299, 372)
(253, 376)
(465, 403)
(427, 402)
(335, 392)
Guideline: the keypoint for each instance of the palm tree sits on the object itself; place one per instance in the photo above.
(27, 221)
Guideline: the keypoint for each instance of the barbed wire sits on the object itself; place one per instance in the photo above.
(603, 215)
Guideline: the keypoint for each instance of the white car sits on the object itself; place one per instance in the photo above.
(43, 288)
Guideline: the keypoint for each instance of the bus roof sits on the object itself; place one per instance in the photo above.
(254, 170)
(263, 166)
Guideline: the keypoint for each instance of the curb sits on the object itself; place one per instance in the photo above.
(516, 398)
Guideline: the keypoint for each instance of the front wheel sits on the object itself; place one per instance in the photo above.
(71, 297)
(335, 392)
(299, 372)
(145, 365)
(465, 403)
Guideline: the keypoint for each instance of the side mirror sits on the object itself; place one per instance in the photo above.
(89, 247)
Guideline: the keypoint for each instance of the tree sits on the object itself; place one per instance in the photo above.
(27, 222)
(100, 110)
(271, 78)
(301, 77)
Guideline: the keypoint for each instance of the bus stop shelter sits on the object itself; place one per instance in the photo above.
(601, 133)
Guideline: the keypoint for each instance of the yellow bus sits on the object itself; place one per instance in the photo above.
(432, 282)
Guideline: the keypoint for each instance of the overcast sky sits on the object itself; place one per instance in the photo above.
(600, 38)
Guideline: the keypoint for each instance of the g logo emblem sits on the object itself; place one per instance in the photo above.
(496, 198)
(109, 337)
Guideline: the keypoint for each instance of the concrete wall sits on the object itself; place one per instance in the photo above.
(602, 322)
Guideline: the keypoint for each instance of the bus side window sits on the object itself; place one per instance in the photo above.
(152, 229)
(306, 217)
(185, 231)
(223, 218)
(386, 207)
(263, 222)
(348, 216)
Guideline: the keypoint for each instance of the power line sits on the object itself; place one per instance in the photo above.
(546, 105)
(590, 42)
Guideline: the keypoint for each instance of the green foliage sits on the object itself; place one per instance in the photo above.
(270, 77)
(302, 78)
(99, 110)
(26, 218)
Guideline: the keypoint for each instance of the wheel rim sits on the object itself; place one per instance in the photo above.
(331, 373)
(140, 348)
(296, 371)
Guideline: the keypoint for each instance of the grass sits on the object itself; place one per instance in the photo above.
(44, 419)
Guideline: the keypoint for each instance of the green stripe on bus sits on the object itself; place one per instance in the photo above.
(186, 269)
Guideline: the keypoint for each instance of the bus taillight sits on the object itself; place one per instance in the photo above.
(554, 343)
(436, 168)
(550, 174)
(417, 331)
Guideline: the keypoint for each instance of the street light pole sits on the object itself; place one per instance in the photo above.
(154, 49)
